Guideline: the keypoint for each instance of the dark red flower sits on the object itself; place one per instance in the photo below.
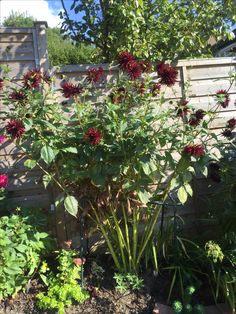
(227, 133)
(231, 123)
(18, 96)
(134, 70)
(46, 78)
(196, 150)
(93, 136)
(222, 98)
(15, 128)
(3, 181)
(94, 75)
(123, 58)
(1, 84)
(145, 66)
(140, 88)
(156, 87)
(71, 90)
(167, 74)
(182, 112)
(119, 95)
(199, 114)
(32, 79)
(193, 120)
(182, 102)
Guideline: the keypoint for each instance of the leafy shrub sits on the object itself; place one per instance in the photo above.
(63, 288)
(21, 247)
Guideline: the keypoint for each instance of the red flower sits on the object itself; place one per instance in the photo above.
(1, 84)
(93, 136)
(71, 90)
(32, 79)
(3, 181)
(199, 114)
(145, 66)
(227, 133)
(182, 112)
(94, 75)
(123, 58)
(167, 74)
(15, 128)
(134, 70)
(140, 88)
(193, 120)
(231, 123)
(222, 98)
(18, 96)
(194, 150)
(119, 95)
(156, 87)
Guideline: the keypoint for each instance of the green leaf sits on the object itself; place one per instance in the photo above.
(47, 154)
(72, 150)
(59, 199)
(188, 189)
(144, 196)
(30, 163)
(71, 205)
(182, 195)
(46, 180)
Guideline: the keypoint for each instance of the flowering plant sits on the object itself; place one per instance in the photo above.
(128, 147)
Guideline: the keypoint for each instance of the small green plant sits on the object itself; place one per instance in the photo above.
(97, 272)
(63, 288)
(214, 251)
(21, 246)
(185, 306)
(128, 281)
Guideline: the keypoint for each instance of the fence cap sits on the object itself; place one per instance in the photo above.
(43, 23)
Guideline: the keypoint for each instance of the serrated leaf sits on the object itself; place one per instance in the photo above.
(30, 163)
(71, 205)
(182, 195)
(47, 154)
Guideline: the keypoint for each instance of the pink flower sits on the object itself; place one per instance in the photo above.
(79, 261)
(168, 74)
(94, 75)
(196, 150)
(93, 136)
(3, 181)
(2, 139)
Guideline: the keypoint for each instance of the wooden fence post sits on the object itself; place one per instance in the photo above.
(40, 45)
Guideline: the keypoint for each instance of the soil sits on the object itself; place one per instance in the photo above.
(105, 300)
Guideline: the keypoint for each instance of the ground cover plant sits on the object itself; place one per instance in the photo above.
(111, 156)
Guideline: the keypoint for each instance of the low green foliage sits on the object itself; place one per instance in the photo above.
(186, 305)
(128, 281)
(63, 288)
(21, 247)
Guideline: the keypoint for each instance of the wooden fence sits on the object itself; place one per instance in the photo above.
(26, 48)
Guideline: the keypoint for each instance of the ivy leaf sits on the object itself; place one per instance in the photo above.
(47, 154)
(71, 205)
(30, 163)
(182, 195)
